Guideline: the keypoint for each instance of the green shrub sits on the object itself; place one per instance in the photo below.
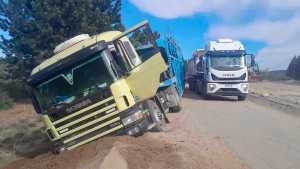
(5, 101)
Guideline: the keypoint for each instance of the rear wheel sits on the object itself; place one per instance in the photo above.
(156, 115)
(192, 86)
(173, 99)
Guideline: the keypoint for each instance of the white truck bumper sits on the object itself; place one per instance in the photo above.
(228, 89)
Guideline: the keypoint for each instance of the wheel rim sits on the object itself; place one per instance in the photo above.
(158, 116)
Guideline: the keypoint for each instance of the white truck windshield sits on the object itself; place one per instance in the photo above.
(227, 63)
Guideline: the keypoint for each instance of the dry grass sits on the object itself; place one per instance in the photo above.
(21, 134)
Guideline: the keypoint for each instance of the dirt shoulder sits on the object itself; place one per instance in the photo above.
(176, 148)
(283, 94)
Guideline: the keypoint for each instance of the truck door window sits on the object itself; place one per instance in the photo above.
(137, 45)
(133, 56)
(143, 42)
(121, 51)
(118, 62)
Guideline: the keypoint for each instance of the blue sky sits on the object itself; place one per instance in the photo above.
(268, 28)
(190, 32)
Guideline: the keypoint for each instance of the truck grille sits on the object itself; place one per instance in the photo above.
(243, 77)
(88, 123)
(228, 90)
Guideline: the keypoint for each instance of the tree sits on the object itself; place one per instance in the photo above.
(5, 100)
(291, 67)
(35, 27)
(294, 68)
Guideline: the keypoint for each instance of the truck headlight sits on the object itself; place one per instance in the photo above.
(212, 87)
(245, 86)
(133, 118)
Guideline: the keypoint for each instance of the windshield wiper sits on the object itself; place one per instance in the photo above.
(235, 66)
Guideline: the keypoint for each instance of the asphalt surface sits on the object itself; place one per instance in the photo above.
(263, 135)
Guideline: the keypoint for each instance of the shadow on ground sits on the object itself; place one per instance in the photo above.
(192, 95)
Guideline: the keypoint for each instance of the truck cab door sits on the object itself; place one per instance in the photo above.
(139, 48)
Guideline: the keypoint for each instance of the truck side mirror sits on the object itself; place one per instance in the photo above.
(253, 63)
(251, 58)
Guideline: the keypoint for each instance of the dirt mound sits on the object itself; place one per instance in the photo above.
(19, 112)
(151, 151)
(21, 134)
(176, 148)
(109, 153)
(114, 160)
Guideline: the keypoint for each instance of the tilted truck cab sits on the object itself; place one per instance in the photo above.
(99, 85)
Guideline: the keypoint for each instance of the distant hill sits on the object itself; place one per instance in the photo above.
(276, 75)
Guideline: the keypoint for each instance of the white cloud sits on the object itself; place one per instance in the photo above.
(273, 22)
(277, 57)
(169, 9)
(281, 37)
(270, 32)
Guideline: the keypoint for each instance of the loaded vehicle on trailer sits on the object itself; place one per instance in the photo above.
(220, 69)
(193, 71)
(254, 73)
(99, 85)
(174, 83)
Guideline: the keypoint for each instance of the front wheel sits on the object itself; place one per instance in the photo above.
(156, 114)
(242, 98)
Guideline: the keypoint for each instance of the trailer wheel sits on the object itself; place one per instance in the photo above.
(156, 114)
(174, 99)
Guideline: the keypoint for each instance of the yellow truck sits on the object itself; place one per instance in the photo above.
(98, 85)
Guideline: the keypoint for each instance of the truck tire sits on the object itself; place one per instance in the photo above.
(156, 114)
(57, 148)
(204, 93)
(192, 86)
(174, 99)
(242, 98)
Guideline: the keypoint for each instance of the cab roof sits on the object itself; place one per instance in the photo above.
(106, 36)
(224, 45)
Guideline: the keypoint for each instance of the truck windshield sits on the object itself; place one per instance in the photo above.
(227, 63)
(75, 83)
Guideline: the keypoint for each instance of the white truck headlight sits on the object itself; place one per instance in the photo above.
(245, 86)
(212, 87)
(133, 118)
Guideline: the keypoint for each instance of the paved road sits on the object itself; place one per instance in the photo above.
(264, 137)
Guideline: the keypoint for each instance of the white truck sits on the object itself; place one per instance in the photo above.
(219, 70)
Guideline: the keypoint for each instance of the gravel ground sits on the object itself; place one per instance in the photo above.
(284, 93)
(220, 133)
(264, 132)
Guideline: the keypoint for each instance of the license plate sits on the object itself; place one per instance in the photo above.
(228, 85)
